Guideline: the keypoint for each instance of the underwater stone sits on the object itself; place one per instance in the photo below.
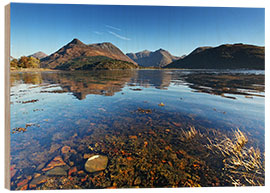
(96, 163)
(58, 171)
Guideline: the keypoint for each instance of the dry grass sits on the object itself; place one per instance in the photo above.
(243, 166)
(227, 146)
(189, 134)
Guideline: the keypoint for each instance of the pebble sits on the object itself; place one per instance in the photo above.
(133, 137)
(96, 163)
(72, 170)
(65, 149)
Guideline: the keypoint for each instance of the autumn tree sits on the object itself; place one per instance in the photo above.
(33, 62)
(14, 63)
(25, 62)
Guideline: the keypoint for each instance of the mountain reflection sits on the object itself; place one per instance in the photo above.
(107, 83)
(159, 79)
(93, 82)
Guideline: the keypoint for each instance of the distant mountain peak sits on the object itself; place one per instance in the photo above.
(160, 49)
(158, 58)
(76, 49)
(76, 41)
(38, 55)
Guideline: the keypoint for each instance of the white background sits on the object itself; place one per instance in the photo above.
(213, 3)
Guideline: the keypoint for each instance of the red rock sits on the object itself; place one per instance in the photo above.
(37, 181)
(84, 179)
(167, 147)
(145, 144)
(37, 175)
(23, 187)
(57, 161)
(65, 149)
(80, 172)
(70, 178)
(133, 137)
(129, 158)
(72, 170)
(22, 183)
(73, 151)
(177, 124)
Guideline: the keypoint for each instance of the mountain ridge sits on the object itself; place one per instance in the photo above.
(158, 58)
(225, 56)
(76, 48)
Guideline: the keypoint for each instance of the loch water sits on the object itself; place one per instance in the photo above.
(140, 119)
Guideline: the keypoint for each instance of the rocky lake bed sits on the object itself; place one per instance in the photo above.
(137, 129)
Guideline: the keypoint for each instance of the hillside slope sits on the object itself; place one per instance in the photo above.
(77, 49)
(227, 56)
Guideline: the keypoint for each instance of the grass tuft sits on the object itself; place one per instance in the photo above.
(242, 165)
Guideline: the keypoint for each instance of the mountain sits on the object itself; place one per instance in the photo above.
(158, 58)
(227, 56)
(95, 63)
(199, 49)
(39, 55)
(76, 49)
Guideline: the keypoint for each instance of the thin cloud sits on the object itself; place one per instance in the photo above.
(97, 32)
(115, 28)
(119, 36)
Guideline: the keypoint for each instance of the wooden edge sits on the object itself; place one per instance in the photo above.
(7, 96)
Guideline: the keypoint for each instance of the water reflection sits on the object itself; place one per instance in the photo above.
(110, 82)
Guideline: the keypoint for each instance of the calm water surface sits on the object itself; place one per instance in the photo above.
(121, 114)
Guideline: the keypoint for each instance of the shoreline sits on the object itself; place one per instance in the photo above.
(165, 69)
(34, 70)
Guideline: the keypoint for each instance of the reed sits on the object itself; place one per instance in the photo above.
(242, 165)
(189, 134)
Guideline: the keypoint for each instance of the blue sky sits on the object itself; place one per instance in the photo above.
(48, 27)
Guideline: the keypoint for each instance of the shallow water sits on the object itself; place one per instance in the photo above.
(135, 118)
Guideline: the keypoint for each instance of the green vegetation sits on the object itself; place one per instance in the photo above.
(95, 63)
(25, 62)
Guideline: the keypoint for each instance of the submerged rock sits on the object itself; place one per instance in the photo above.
(72, 170)
(56, 162)
(57, 171)
(96, 163)
(65, 149)
(37, 181)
